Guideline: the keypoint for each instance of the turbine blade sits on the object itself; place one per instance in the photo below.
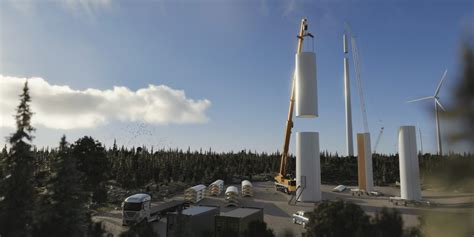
(441, 82)
(439, 104)
(424, 98)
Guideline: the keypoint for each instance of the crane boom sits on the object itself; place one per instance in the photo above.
(356, 59)
(289, 121)
(355, 56)
(281, 177)
(378, 140)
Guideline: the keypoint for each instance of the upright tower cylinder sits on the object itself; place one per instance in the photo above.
(308, 171)
(306, 85)
(364, 162)
(409, 170)
(347, 97)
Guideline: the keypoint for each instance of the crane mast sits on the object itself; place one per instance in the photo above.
(281, 177)
(378, 139)
(355, 57)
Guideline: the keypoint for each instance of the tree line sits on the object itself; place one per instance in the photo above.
(134, 168)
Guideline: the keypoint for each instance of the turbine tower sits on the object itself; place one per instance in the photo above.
(347, 97)
(438, 106)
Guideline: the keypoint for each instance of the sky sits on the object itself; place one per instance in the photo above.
(217, 74)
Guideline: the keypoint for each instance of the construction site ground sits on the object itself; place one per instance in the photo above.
(278, 213)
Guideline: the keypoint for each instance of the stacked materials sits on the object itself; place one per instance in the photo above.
(195, 194)
(231, 196)
(247, 189)
(216, 188)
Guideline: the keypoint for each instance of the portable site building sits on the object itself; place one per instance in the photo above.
(195, 221)
(216, 188)
(236, 222)
(195, 194)
(247, 189)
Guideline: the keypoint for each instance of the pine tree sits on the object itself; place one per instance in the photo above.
(92, 162)
(19, 193)
(62, 207)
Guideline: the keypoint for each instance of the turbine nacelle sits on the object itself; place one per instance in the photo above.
(435, 97)
(438, 104)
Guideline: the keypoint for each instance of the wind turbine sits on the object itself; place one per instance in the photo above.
(438, 106)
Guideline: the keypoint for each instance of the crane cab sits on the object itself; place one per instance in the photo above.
(285, 184)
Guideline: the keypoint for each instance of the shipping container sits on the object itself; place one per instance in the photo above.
(195, 221)
(235, 222)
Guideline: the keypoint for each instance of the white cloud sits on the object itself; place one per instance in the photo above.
(61, 107)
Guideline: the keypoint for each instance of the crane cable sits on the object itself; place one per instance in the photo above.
(355, 57)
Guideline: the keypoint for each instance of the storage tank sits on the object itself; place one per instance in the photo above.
(216, 188)
(364, 162)
(409, 170)
(306, 85)
(195, 193)
(308, 171)
(247, 189)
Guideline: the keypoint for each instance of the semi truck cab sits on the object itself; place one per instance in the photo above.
(137, 208)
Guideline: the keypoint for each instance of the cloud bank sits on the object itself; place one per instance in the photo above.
(61, 107)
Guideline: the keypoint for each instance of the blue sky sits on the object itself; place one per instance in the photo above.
(238, 55)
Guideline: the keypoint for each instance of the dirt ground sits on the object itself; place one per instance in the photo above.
(277, 211)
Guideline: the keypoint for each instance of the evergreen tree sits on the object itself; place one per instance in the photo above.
(62, 209)
(92, 162)
(259, 229)
(19, 194)
(388, 223)
(339, 218)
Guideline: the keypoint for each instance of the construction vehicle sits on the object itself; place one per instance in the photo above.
(138, 208)
(300, 217)
(283, 181)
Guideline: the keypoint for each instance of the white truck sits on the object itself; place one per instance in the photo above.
(138, 208)
(300, 217)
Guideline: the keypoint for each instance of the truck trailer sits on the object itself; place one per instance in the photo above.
(138, 208)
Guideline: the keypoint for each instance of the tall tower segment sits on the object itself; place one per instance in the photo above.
(347, 98)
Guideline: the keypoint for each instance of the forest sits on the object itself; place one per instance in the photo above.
(134, 168)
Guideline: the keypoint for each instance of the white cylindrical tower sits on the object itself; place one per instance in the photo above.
(364, 162)
(409, 170)
(308, 171)
(306, 85)
(347, 98)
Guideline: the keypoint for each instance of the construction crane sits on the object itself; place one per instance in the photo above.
(283, 182)
(355, 58)
(378, 139)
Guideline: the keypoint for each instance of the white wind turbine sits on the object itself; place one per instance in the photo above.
(438, 106)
